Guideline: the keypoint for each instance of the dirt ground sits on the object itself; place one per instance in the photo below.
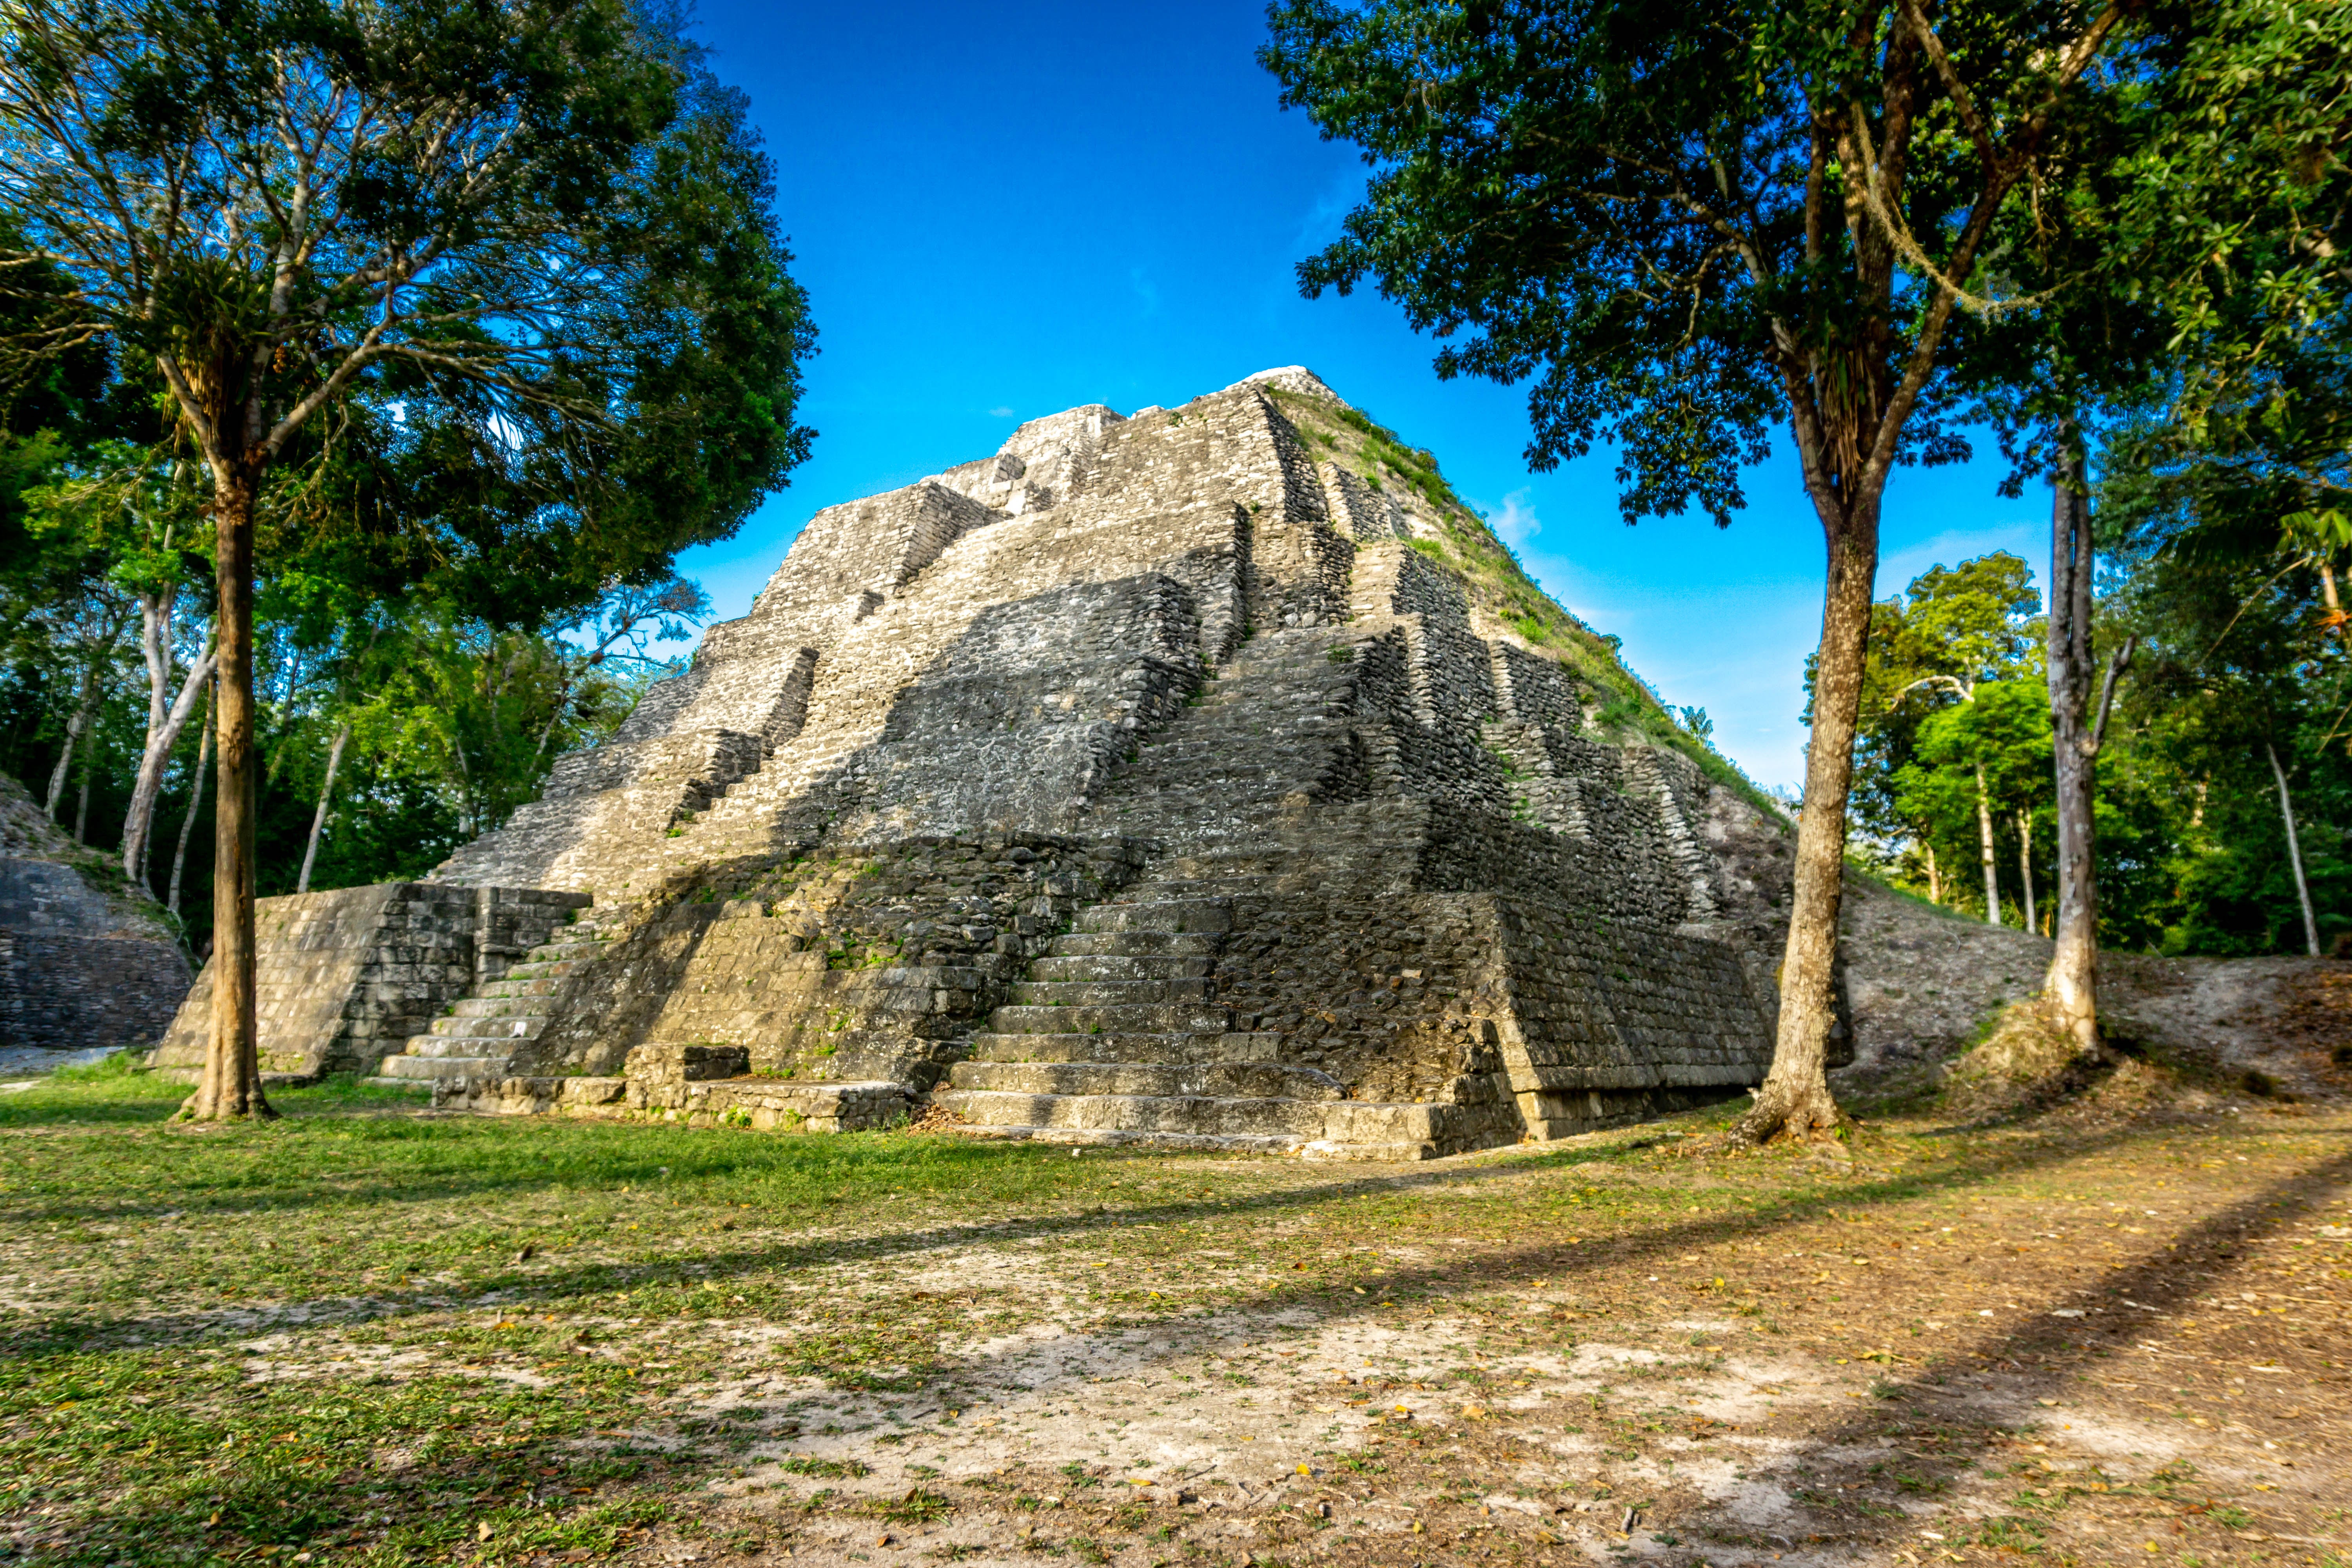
(2116, 1331)
(2096, 1347)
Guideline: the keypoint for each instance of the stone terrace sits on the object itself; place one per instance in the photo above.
(1149, 780)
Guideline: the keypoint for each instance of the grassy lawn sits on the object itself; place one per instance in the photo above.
(369, 1333)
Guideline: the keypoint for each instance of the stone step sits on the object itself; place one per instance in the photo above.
(489, 1006)
(1134, 1017)
(1184, 1142)
(511, 988)
(554, 969)
(426, 1069)
(512, 1026)
(1101, 966)
(1219, 1080)
(556, 951)
(1215, 735)
(1128, 1047)
(1167, 915)
(1197, 1114)
(1109, 993)
(1390, 1128)
(456, 1045)
(1137, 944)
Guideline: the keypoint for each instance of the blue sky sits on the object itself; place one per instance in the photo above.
(1002, 212)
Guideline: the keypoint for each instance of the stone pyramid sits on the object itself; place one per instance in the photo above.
(1205, 776)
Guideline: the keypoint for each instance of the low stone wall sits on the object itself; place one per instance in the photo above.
(346, 977)
(761, 1105)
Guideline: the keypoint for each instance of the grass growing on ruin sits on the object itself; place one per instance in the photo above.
(371, 1334)
(1501, 584)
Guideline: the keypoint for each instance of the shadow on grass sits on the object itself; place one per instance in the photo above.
(505, 1463)
(821, 1160)
(2043, 1355)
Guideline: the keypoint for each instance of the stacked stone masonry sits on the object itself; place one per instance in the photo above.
(1147, 781)
(83, 963)
(345, 977)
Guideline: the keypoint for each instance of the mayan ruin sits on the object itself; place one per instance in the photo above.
(1190, 777)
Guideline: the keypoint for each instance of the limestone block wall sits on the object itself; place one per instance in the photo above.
(1388, 990)
(346, 977)
(82, 962)
(847, 962)
(73, 973)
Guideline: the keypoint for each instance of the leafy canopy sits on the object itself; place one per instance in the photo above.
(532, 240)
(1683, 218)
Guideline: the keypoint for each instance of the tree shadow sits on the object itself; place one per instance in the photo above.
(519, 1289)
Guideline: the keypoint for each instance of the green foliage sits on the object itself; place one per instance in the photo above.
(542, 337)
(1958, 637)
(570, 288)
(1614, 201)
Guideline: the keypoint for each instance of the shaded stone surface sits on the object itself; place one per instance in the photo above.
(346, 976)
(84, 964)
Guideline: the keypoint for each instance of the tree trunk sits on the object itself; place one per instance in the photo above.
(1795, 1099)
(2293, 852)
(164, 725)
(2025, 866)
(1984, 849)
(1935, 883)
(195, 799)
(231, 1086)
(319, 818)
(2071, 986)
(77, 725)
(81, 806)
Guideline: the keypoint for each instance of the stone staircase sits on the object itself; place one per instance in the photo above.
(1117, 1034)
(1117, 1037)
(477, 1039)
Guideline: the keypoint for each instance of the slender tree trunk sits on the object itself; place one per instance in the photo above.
(81, 806)
(77, 725)
(165, 724)
(1795, 1099)
(319, 818)
(2071, 986)
(195, 799)
(1984, 849)
(231, 1086)
(2293, 852)
(2025, 866)
(1935, 883)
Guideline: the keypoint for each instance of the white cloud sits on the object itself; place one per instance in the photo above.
(1147, 292)
(999, 414)
(1515, 521)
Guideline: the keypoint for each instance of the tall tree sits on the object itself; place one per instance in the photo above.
(138, 510)
(1953, 630)
(1688, 221)
(2194, 239)
(539, 223)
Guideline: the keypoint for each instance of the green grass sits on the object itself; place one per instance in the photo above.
(132, 1427)
(381, 1335)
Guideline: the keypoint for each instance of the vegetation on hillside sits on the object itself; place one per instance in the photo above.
(1625, 707)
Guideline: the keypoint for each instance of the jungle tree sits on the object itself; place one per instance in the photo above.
(538, 221)
(1689, 222)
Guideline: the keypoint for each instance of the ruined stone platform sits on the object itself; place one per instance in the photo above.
(1204, 778)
